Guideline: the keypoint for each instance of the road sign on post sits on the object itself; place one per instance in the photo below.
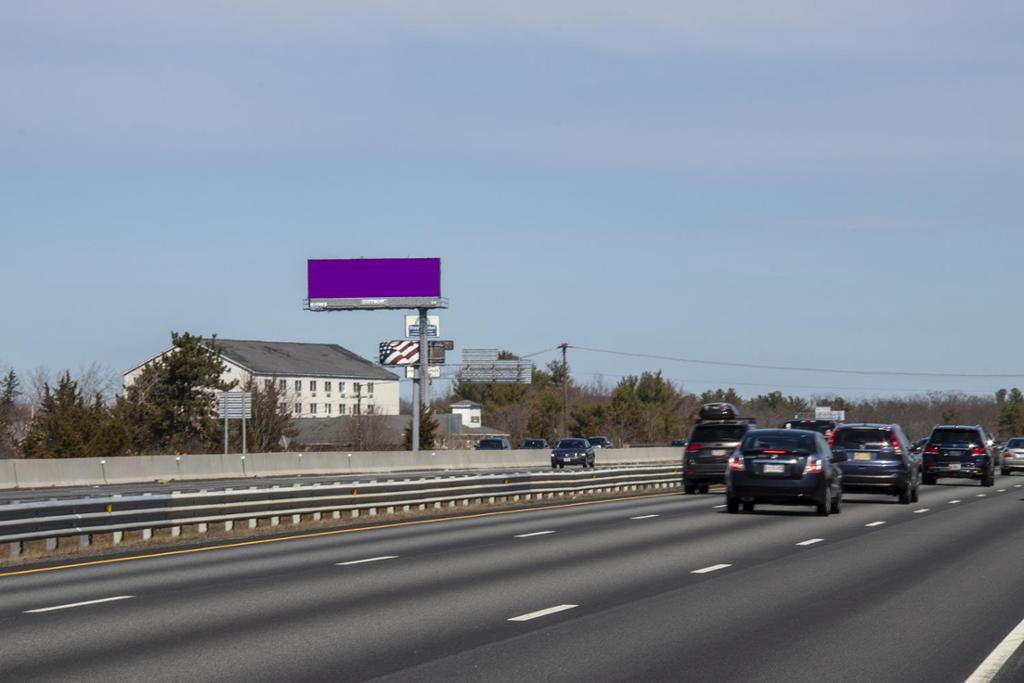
(481, 366)
(412, 326)
(234, 405)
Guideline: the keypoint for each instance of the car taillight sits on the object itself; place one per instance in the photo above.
(832, 438)
(978, 450)
(813, 466)
(773, 452)
(932, 450)
(895, 444)
(736, 463)
(694, 447)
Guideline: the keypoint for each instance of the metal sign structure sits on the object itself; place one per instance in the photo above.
(412, 326)
(234, 405)
(481, 366)
(433, 372)
(381, 284)
(826, 413)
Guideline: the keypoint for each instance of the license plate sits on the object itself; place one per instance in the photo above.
(954, 454)
(774, 469)
(566, 459)
(861, 456)
(719, 451)
(954, 465)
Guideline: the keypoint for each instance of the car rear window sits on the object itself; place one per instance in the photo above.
(491, 444)
(779, 441)
(942, 436)
(573, 443)
(861, 438)
(717, 433)
(1015, 443)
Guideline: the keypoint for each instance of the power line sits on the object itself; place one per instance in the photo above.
(886, 373)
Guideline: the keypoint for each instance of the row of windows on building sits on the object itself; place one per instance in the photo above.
(328, 409)
(357, 387)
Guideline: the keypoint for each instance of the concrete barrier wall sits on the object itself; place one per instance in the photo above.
(149, 468)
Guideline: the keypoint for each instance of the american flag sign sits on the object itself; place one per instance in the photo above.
(399, 352)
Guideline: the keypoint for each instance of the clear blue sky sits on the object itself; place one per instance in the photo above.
(799, 183)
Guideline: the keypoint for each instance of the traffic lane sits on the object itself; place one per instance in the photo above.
(193, 485)
(918, 602)
(473, 588)
(290, 558)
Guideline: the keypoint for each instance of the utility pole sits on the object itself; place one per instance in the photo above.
(565, 390)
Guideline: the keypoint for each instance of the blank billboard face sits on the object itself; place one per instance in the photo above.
(373, 282)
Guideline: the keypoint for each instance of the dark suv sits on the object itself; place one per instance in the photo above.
(876, 458)
(960, 451)
(708, 449)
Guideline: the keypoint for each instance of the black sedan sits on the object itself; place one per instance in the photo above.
(530, 443)
(783, 467)
(572, 452)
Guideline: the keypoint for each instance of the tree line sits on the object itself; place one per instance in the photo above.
(170, 409)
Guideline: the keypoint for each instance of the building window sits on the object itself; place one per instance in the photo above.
(357, 388)
(267, 383)
(369, 409)
(355, 409)
(327, 408)
(312, 409)
(282, 407)
(369, 388)
(327, 387)
(298, 385)
(341, 409)
(312, 385)
(282, 384)
(341, 388)
(298, 408)
(475, 418)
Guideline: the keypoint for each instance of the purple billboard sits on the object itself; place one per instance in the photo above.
(374, 283)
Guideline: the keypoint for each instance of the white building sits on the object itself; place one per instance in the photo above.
(469, 412)
(315, 380)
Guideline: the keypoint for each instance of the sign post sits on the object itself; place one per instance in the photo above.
(234, 405)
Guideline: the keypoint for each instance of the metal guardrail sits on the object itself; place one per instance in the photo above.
(83, 517)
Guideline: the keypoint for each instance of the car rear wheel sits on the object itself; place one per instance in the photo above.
(748, 506)
(837, 504)
(914, 494)
(732, 505)
(561, 465)
(906, 496)
(928, 479)
(703, 488)
(825, 509)
(988, 480)
(1005, 471)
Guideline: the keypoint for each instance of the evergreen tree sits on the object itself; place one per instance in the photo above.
(68, 426)
(10, 392)
(170, 408)
(428, 430)
(1011, 415)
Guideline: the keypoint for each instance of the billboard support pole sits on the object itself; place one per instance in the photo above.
(415, 415)
(419, 384)
(225, 435)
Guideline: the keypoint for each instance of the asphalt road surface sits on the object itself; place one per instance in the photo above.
(662, 588)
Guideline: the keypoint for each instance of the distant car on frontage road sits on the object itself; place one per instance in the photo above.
(573, 451)
(534, 443)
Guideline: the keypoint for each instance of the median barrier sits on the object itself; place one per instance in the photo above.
(148, 468)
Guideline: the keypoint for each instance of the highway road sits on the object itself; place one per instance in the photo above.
(660, 588)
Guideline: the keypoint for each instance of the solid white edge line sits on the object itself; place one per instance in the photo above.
(368, 559)
(645, 517)
(917, 512)
(980, 495)
(875, 524)
(953, 502)
(811, 541)
(543, 612)
(994, 663)
(712, 568)
(717, 507)
(535, 533)
(1001, 491)
(78, 604)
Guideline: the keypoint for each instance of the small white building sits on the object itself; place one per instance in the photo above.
(469, 412)
(314, 380)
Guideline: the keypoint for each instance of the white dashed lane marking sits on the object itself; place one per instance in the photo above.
(712, 568)
(645, 517)
(811, 541)
(875, 524)
(368, 559)
(535, 533)
(917, 512)
(78, 604)
(543, 612)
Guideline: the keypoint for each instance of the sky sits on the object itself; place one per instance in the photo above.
(799, 184)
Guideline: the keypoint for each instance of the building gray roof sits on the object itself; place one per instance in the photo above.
(299, 359)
